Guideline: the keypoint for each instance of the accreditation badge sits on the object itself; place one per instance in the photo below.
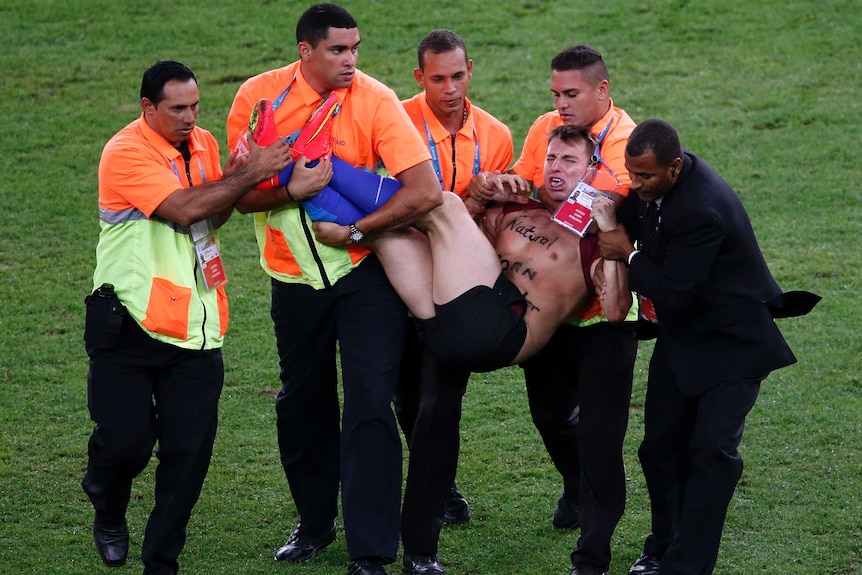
(574, 213)
(647, 309)
(206, 250)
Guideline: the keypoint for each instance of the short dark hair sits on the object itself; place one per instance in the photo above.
(572, 135)
(583, 58)
(658, 137)
(440, 41)
(314, 24)
(159, 74)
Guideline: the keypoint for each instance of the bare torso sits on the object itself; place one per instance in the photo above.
(543, 260)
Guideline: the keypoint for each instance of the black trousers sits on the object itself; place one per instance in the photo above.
(434, 440)
(359, 448)
(579, 388)
(691, 464)
(140, 393)
(407, 392)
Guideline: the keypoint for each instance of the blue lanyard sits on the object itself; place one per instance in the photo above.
(435, 157)
(283, 95)
(597, 156)
(200, 167)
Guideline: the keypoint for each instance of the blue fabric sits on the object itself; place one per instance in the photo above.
(351, 194)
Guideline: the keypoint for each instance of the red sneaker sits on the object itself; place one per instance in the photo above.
(315, 139)
(261, 124)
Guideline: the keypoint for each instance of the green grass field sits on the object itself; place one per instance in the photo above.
(768, 93)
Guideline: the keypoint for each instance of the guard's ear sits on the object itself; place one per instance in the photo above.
(304, 49)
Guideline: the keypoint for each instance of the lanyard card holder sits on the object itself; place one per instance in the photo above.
(574, 213)
(206, 250)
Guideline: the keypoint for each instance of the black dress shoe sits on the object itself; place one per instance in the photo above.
(457, 508)
(365, 567)
(645, 565)
(303, 546)
(566, 513)
(422, 565)
(112, 543)
(584, 569)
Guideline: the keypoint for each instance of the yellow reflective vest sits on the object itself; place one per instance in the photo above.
(151, 261)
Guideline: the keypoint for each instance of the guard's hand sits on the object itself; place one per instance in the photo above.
(511, 198)
(307, 180)
(331, 234)
(234, 164)
(615, 244)
(267, 162)
(474, 207)
(494, 186)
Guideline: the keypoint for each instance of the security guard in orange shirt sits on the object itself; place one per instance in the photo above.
(156, 323)
(466, 144)
(330, 294)
(579, 385)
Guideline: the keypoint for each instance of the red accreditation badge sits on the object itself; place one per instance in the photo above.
(240, 149)
(210, 262)
(575, 212)
(647, 309)
(207, 252)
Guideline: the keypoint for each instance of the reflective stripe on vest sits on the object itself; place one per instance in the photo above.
(152, 264)
(131, 214)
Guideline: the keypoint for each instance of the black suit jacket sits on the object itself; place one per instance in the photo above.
(710, 285)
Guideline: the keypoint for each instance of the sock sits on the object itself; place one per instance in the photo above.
(367, 190)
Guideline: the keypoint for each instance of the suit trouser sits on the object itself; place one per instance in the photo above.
(142, 392)
(691, 464)
(579, 388)
(434, 446)
(365, 316)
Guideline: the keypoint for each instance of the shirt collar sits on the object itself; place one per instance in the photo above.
(309, 95)
(165, 147)
(438, 132)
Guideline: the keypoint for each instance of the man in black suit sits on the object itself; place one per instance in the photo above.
(707, 294)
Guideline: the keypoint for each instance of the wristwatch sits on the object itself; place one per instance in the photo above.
(356, 234)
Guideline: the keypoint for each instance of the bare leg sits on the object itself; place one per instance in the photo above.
(462, 256)
(406, 258)
(436, 268)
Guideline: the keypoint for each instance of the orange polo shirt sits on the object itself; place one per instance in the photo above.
(140, 169)
(612, 149)
(482, 135)
(369, 126)
(154, 268)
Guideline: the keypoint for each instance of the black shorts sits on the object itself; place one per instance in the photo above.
(483, 329)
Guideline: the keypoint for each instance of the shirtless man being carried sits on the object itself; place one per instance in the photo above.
(486, 296)
(492, 295)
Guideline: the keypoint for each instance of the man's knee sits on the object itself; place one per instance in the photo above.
(451, 208)
(451, 201)
(716, 459)
(554, 419)
(127, 450)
